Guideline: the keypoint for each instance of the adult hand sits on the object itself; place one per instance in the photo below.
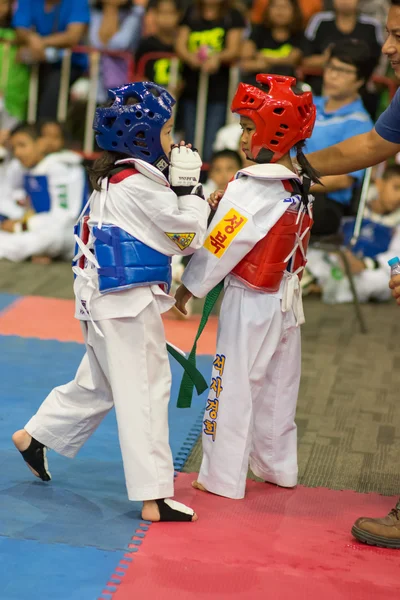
(211, 65)
(263, 63)
(194, 62)
(394, 285)
(182, 297)
(37, 46)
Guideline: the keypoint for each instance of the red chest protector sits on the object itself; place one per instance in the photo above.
(284, 245)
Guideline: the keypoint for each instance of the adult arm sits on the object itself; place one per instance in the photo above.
(353, 154)
(66, 39)
(182, 50)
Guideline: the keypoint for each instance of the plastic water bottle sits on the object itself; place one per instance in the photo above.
(394, 264)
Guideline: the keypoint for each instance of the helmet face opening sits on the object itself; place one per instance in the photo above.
(282, 113)
(132, 124)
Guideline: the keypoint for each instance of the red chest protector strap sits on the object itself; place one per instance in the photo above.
(284, 247)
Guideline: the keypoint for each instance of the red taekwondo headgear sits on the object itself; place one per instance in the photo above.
(282, 115)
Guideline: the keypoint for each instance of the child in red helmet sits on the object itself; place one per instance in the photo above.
(257, 242)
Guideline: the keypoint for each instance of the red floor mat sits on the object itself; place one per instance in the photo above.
(275, 545)
(53, 319)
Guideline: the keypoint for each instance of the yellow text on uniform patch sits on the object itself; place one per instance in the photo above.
(182, 240)
(223, 233)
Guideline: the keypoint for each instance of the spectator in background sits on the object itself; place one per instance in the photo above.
(276, 45)
(209, 40)
(166, 16)
(223, 167)
(340, 115)
(45, 28)
(115, 25)
(378, 9)
(308, 9)
(344, 22)
(379, 241)
(55, 185)
(14, 77)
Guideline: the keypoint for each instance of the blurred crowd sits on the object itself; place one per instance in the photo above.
(332, 46)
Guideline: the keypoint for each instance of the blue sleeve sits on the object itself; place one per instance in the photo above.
(23, 15)
(388, 124)
(79, 12)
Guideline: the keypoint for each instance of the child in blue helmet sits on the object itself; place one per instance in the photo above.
(146, 206)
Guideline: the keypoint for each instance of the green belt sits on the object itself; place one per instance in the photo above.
(188, 381)
(194, 376)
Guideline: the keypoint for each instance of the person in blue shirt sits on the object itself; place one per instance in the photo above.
(340, 114)
(358, 152)
(44, 29)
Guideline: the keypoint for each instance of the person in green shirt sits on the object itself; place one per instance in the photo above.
(14, 76)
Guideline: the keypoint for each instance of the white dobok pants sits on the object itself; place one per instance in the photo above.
(54, 242)
(249, 418)
(128, 368)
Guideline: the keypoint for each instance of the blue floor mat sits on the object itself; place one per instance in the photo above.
(30, 570)
(6, 300)
(86, 504)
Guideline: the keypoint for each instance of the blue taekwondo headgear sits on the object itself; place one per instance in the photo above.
(134, 129)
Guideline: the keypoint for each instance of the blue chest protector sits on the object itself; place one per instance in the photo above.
(125, 262)
(37, 188)
(374, 237)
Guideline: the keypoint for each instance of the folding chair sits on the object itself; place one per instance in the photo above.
(335, 244)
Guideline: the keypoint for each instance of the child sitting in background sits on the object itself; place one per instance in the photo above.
(223, 167)
(54, 187)
(379, 241)
(53, 137)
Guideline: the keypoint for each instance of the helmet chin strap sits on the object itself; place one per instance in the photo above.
(265, 156)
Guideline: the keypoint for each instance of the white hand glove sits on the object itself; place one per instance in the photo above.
(184, 170)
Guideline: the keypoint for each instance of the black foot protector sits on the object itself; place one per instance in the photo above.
(35, 456)
(174, 511)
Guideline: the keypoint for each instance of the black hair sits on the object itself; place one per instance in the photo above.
(43, 122)
(306, 168)
(232, 154)
(391, 170)
(296, 24)
(31, 130)
(98, 5)
(102, 167)
(395, 2)
(224, 8)
(156, 3)
(355, 53)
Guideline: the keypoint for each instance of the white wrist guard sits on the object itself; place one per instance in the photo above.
(184, 170)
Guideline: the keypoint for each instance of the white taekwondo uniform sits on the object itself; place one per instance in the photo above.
(57, 190)
(250, 412)
(126, 363)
